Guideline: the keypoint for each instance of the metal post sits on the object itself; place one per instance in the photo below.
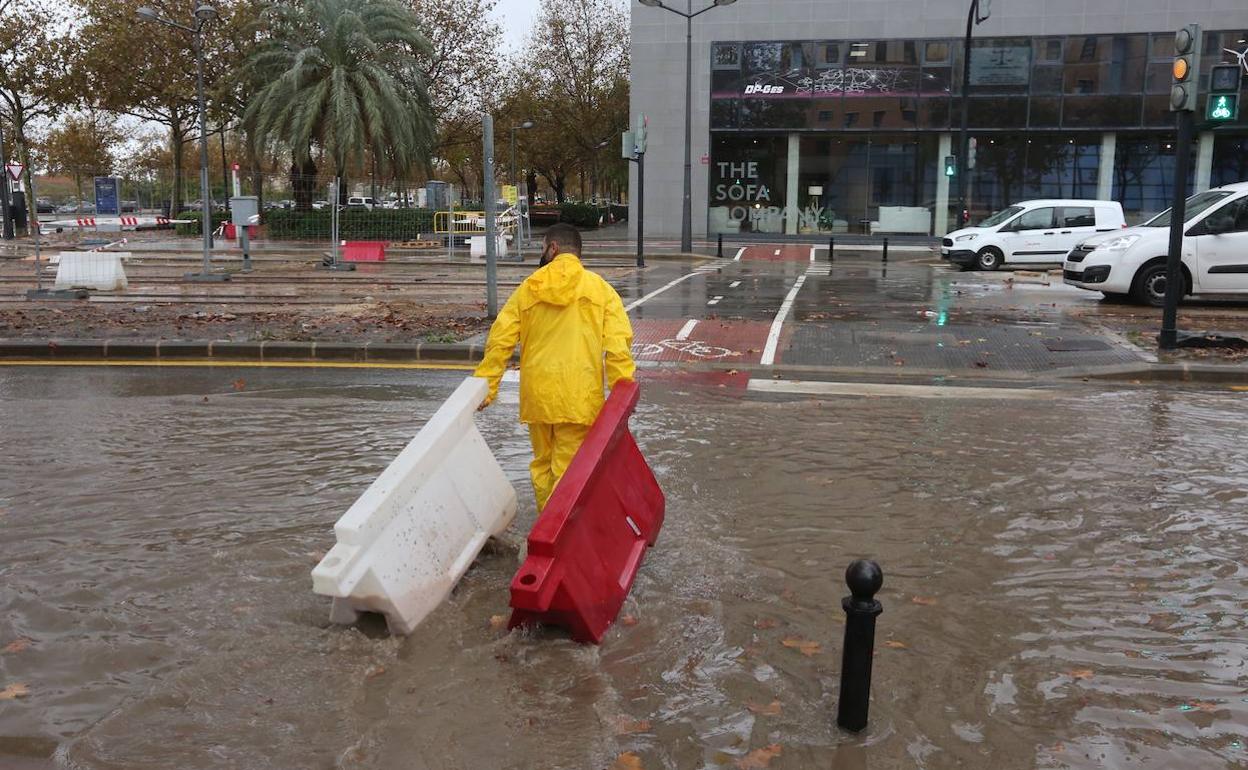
(641, 208)
(831, 249)
(5, 216)
(205, 273)
(885, 250)
(333, 221)
(34, 229)
(686, 219)
(491, 256)
(963, 139)
(1169, 338)
(516, 227)
(719, 246)
(450, 227)
(864, 579)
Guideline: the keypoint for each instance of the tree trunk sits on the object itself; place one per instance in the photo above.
(560, 185)
(78, 188)
(530, 179)
(175, 148)
(303, 182)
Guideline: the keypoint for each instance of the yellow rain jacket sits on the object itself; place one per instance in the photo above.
(570, 323)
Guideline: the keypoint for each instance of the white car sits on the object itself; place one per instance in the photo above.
(1031, 233)
(1133, 262)
(359, 202)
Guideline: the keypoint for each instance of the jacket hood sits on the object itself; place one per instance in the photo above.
(557, 282)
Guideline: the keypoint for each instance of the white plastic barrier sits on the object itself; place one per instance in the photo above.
(414, 532)
(100, 270)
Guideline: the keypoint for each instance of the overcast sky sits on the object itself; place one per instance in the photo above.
(518, 18)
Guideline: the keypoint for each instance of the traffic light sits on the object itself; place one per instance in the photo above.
(1186, 69)
(1223, 103)
(951, 165)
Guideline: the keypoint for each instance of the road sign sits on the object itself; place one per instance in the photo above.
(108, 195)
(15, 171)
(511, 194)
(1222, 107)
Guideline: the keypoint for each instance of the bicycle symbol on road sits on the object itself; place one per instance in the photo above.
(692, 348)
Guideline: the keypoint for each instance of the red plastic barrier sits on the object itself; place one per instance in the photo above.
(588, 543)
(230, 231)
(364, 251)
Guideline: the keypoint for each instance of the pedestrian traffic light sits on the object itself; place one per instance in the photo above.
(951, 166)
(1223, 103)
(1186, 69)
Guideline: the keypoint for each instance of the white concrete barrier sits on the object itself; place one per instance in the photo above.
(99, 270)
(409, 538)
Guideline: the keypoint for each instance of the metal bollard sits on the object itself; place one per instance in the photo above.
(719, 248)
(864, 579)
(885, 249)
(831, 248)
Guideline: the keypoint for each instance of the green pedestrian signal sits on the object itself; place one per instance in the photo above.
(951, 165)
(1222, 107)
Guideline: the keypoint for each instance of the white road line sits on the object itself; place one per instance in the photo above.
(734, 284)
(777, 252)
(687, 329)
(715, 300)
(740, 251)
(773, 336)
(815, 388)
(812, 253)
(638, 303)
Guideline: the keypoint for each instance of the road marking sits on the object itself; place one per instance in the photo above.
(638, 303)
(777, 252)
(812, 253)
(817, 388)
(715, 300)
(212, 362)
(740, 251)
(773, 336)
(734, 284)
(687, 329)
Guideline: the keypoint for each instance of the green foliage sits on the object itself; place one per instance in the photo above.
(342, 75)
(353, 224)
(580, 214)
(195, 227)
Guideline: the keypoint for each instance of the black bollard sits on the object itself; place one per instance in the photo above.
(719, 248)
(831, 248)
(864, 579)
(885, 249)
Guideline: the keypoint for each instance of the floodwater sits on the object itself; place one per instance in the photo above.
(1064, 583)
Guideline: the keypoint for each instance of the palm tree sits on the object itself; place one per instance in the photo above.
(341, 77)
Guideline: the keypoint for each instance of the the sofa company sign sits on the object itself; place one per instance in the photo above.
(741, 190)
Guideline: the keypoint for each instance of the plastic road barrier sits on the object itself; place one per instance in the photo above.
(588, 543)
(364, 251)
(99, 270)
(409, 538)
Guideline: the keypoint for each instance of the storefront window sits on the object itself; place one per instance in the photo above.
(1000, 66)
(1009, 169)
(747, 184)
(1230, 160)
(1144, 175)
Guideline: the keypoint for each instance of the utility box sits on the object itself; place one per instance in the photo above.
(243, 208)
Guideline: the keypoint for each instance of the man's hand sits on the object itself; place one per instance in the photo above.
(488, 400)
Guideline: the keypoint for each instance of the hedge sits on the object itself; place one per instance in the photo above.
(580, 214)
(197, 218)
(353, 224)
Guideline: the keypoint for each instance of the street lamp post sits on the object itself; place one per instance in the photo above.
(203, 14)
(515, 180)
(973, 18)
(6, 221)
(686, 222)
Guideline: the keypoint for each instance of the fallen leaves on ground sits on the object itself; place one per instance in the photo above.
(1204, 706)
(239, 384)
(372, 672)
(1081, 673)
(16, 646)
(763, 624)
(769, 710)
(627, 761)
(759, 758)
(893, 644)
(926, 601)
(623, 725)
(804, 646)
(14, 691)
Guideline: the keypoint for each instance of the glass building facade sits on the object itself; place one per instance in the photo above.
(852, 136)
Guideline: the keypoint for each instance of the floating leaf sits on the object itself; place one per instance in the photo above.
(770, 710)
(759, 758)
(16, 646)
(14, 691)
(1081, 673)
(628, 620)
(762, 624)
(926, 601)
(372, 672)
(623, 725)
(893, 644)
(804, 646)
(627, 761)
(498, 622)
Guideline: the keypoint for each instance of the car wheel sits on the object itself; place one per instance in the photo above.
(1149, 287)
(989, 258)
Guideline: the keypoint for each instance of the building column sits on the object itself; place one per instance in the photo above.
(940, 217)
(1105, 171)
(790, 192)
(1204, 162)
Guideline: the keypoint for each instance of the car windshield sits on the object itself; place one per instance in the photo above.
(1196, 205)
(1000, 216)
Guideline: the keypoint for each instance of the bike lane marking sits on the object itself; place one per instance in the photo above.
(687, 329)
(715, 300)
(638, 303)
(773, 336)
(740, 251)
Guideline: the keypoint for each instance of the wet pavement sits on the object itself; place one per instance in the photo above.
(1065, 582)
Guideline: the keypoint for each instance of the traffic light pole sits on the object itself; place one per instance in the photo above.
(964, 140)
(5, 216)
(1168, 340)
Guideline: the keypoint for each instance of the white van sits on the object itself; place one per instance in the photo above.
(359, 202)
(1030, 233)
(1133, 261)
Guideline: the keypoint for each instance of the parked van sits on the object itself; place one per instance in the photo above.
(1030, 233)
(359, 202)
(1133, 262)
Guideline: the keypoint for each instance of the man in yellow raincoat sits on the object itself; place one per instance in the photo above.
(572, 330)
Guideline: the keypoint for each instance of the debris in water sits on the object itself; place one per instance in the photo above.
(926, 601)
(805, 646)
(770, 710)
(623, 725)
(893, 644)
(1081, 673)
(498, 622)
(763, 624)
(372, 672)
(759, 758)
(240, 383)
(626, 761)
(628, 620)
(14, 691)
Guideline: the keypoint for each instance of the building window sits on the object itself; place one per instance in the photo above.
(747, 184)
(1144, 175)
(1230, 160)
(936, 52)
(726, 56)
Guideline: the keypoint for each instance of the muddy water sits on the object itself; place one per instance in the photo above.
(1064, 584)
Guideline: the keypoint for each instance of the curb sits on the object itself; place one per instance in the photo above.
(228, 350)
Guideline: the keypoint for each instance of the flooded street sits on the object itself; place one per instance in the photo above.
(1065, 582)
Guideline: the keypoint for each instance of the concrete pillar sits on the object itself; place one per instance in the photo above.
(1204, 162)
(1105, 172)
(940, 217)
(790, 192)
